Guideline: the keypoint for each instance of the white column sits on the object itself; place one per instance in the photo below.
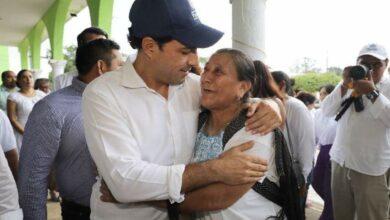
(58, 67)
(249, 26)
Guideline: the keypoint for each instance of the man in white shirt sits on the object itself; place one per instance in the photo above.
(9, 202)
(87, 35)
(361, 151)
(140, 121)
(8, 143)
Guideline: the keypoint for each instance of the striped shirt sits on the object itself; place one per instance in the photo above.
(54, 138)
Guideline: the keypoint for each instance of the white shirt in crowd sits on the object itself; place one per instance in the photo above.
(301, 127)
(7, 137)
(64, 80)
(325, 128)
(251, 205)
(139, 141)
(362, 138)
(9, 199)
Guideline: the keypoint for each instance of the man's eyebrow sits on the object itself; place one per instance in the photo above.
(192, 49)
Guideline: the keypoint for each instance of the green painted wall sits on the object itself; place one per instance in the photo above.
(4, 58)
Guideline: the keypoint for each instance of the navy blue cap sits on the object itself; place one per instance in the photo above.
(171, 18)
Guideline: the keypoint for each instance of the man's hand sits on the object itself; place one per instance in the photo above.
(364, 86)
(263, 117)
(106, 193)
(235, 167)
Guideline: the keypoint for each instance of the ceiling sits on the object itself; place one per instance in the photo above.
(18, 17)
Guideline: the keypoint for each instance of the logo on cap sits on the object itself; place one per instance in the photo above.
(193, 12)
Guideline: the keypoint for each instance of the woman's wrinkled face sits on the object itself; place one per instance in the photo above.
(220, 87)
(26, 81)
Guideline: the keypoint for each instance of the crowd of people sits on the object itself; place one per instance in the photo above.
(159, 137)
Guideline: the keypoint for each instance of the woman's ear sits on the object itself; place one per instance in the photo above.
(244, 88)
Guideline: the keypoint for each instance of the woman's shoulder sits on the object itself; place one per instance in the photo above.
(15, 96)
(243, 136)
(39, 93)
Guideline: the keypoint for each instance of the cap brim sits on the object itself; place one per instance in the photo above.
(374, 55)
(199, 36)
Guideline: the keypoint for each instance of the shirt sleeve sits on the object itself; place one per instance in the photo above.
(38, 151)
(380, 109)
(302, 127)
(7, 136)
(118, 156)
(9, 206)
(332, 102)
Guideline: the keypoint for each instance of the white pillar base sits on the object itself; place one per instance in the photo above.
(248, 27)
(58, 67)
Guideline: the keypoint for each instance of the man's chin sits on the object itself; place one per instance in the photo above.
(177, 82)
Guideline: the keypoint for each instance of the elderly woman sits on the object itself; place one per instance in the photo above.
(20, 104)
(226, 85)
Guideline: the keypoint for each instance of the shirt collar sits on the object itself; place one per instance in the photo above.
(78, 85)
(130, 77)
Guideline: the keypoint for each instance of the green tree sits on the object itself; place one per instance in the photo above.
(69, 56)
(310, 82)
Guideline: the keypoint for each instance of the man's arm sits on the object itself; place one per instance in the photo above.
(332, 102)
(118, 158)
(39, 149)
(218, 196)
(9, 206)
(233, 167)
(264, 115)
(8, 142)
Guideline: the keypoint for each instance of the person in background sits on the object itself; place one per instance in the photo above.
(54, 138)
(360, 153)
(89, 34)
(299, 133)
(9, 86)
(325, 132)
(42, 84)
(20, 103)
(309, 100)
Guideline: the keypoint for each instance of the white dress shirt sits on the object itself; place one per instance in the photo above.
(7, 136)
(251, 205)
(325, 128)
(362, 138)
(9, 200)
(301, 127)
(139, 141)
(64, 80)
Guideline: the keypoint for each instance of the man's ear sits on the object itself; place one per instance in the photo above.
(149, 46)
(101, 67)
